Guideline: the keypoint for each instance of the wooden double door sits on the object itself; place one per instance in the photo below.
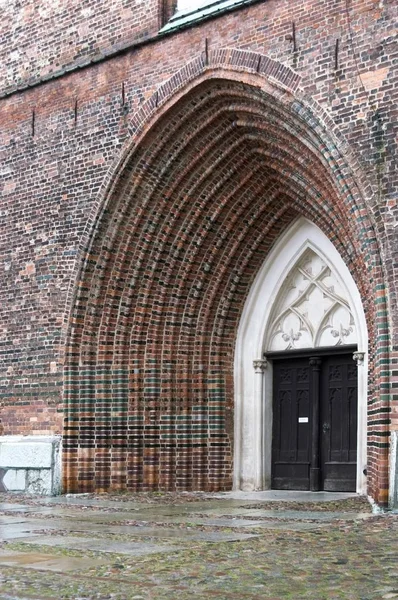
(314, 445)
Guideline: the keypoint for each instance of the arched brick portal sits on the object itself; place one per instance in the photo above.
(189, 218)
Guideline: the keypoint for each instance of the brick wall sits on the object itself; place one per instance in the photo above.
(59, 143)
(41, 39)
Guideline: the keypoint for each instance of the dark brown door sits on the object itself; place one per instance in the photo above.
(315, 423)
(291, 441)
(339, 423)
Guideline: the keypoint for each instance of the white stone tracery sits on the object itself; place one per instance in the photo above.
(312, 309)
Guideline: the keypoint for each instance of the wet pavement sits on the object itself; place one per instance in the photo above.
(271, 545)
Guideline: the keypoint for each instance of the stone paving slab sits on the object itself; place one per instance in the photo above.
(93, 524)
(291, 525)
(31, 528)
(102, 503)
(14, 506)
(285, 515)
(166, 533)
(47, 562)
(10, 536)
(97, 545)
(213, 517)
(34, 528)
(165, 516)
(284, 495)
(232, 497)
(7, 520)
(149, 512)
(83, 500)
(25, 508)
(209, 517)
(28, 527)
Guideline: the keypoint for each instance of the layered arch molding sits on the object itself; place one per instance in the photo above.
(210, 181)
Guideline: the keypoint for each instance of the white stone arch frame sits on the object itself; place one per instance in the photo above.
(253, 378)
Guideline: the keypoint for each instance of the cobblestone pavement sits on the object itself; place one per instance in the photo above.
(195, 546)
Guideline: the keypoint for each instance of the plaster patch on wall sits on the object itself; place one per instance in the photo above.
(373, 79)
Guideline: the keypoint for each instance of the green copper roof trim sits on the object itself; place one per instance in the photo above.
(187, 17)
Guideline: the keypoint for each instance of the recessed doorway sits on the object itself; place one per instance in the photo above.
(304, 304)
(314, 440)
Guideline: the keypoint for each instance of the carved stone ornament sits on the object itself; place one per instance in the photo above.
(359, 357)
(260, 364)
(312, 309)
(315, 362)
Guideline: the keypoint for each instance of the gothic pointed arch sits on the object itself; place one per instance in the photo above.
(222, 160)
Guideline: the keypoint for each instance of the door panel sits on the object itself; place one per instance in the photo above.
(291, 426)
(339, 423)
(294, 397)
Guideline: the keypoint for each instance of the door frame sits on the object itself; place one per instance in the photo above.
(309, 353)
(253, 373)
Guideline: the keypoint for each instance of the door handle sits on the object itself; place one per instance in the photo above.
(325, 427)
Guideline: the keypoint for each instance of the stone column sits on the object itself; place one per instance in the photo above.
(359, 358)
(259, 365)
(393, 483)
